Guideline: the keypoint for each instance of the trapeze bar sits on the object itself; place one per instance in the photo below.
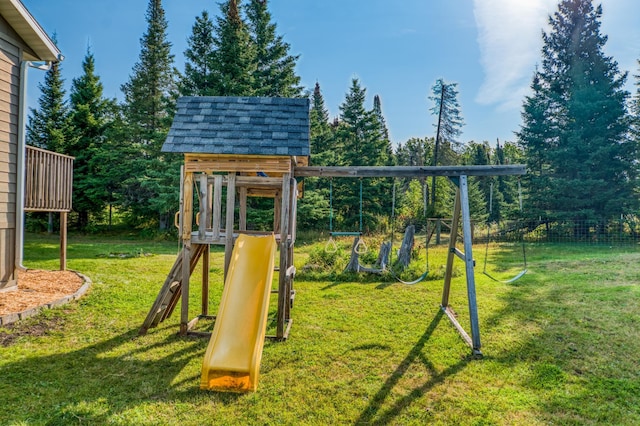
(344, 234)
(409, 171)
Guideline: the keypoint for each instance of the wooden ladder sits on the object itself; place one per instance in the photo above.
(171, 290)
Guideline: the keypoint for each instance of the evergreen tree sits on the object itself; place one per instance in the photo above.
(49, 126)
(575, 126)
(89, 120)
(152, 191)
(415, 152)
(234, 62)
(313, 209)
(383, 132)
(448, 126)
(199, 77)
(359, 131)
(274, 67)
(359, 139)
(322, 138)
(479, 154)
(635, 110)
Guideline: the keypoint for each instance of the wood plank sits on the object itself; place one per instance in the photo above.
(209, 163)
(283, 295)
(242, 219)
(217, 205)
(228, 247)
(409, 171)
(187, 218)
(203, 223)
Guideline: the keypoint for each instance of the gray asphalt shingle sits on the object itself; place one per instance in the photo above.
(240, 125)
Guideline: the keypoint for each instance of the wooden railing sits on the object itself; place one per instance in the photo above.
(49, 181)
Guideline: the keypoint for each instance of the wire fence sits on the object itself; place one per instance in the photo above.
(618, 232)
(623, 231)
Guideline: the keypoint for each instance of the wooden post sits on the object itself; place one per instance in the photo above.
(283, 298)
(242, 220)
(187, 224)
(217, 205)
(204, 204)
(451, 253)
(469, 266)
(291, 269)
(277, 207)
(205, 279)
(231, 200)
(461, 212)
(209, 204)
(63, 240)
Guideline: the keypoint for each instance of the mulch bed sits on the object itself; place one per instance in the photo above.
(38, 288)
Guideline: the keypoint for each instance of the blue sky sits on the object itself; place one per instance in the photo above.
(396, 49)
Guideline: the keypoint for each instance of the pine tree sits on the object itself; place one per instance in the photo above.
(199, 78)
(274, 67)
(360, 140)
(49, 126)
(313, 209)
(234, 63)
(89, 120)
(152, 191)
(383, 132)
(635, 110)
(448, 127)
(575, 125)
(322, 138)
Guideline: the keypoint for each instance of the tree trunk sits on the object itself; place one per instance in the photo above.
(404, 255)
(383, 255)
(354, 263)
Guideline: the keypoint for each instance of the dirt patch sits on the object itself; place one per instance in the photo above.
(40, 327)
(36, 288)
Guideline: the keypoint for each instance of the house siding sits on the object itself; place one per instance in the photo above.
(9, 107)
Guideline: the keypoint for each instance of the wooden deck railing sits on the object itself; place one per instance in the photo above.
(49, 181)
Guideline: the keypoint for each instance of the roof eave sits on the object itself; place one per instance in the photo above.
(21, 20)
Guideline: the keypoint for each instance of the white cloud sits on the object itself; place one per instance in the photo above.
(510, 38)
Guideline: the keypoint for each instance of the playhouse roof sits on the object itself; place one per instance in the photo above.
(240, 126)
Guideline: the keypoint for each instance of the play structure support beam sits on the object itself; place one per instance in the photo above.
(408, 171)
(231, 199)
(63, 240)
(187, 224)
(283, 297)
(461, 211)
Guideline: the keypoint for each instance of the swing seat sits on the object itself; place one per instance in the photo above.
(509, 281)
(416, 281)
(344, 234)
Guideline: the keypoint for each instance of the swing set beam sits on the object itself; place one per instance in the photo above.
(408, 171)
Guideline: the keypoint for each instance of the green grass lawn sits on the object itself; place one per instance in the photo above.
(561, 346)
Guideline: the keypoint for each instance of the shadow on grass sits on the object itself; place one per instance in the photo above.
(568, 336)
(373, 413)
(95, 384)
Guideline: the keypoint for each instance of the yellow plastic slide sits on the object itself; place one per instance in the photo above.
(232, 360)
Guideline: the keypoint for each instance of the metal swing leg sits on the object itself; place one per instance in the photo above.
(461, 209)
